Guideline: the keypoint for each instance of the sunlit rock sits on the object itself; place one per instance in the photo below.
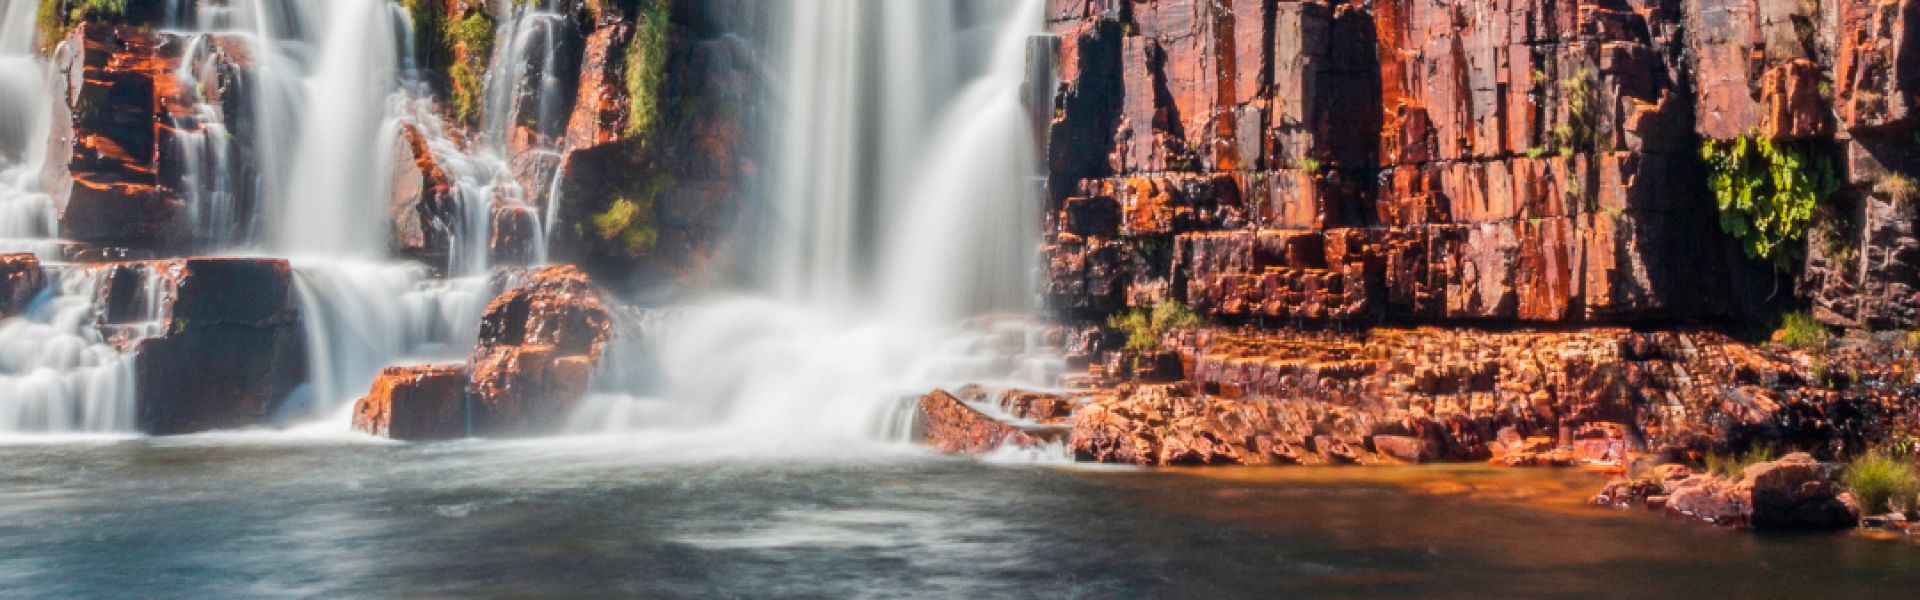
(416, 404)
(539, 344)
(949, 424)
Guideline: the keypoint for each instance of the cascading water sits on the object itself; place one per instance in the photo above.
(59, 372)
(28, 217)
(824, 353)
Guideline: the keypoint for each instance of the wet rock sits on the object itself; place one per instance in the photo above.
(415, 404)
(421, 207)
(539, 345)
(21, 279)
(135, 137)
(1403, 448)
(1712, 500)
(516, 235)
(230, 350)
(114, 75)
(947, 423)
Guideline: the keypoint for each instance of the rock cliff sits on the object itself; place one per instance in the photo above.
(1507, 161)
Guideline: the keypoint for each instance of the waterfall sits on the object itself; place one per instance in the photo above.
(965, 244)
(333, 202)
(28, 217)
(360, 318)
(59, 371)
(881, 257)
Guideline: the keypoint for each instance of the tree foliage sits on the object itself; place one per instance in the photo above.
(1145, 327)
(1767, 192)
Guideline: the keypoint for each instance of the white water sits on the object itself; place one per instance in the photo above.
(904, 162)
(838, 343)
(360, 318)
(58, 371)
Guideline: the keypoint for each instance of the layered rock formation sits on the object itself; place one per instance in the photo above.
(228, 351)
(133, 136)
(1420, 395)
(21, 278)
(1527, 161)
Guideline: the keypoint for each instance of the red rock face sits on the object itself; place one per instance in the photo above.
(21, 278)
(1419, 160)
(1441, 395)
(688, 169)
(415, 404)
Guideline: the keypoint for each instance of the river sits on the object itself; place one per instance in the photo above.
(245, 515)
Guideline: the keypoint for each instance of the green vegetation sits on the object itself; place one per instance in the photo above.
(1798, 330)
(1767, 192)
(1536, 152)
(646, 66)
(429, 32)
(1308, 164)
(1911, 341)
(1581, 133)
(628, 223)
(1734, 466)
(1883, 481)
(470, 47)
(56, 16)
(1144, 328)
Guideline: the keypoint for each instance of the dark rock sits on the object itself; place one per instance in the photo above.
(21, 279)
(232, 351)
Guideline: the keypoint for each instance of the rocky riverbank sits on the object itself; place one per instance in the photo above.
(1619, 400)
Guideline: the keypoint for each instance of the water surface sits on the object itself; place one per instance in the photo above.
(268, 516)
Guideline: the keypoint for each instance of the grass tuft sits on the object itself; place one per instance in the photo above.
(1883, 482)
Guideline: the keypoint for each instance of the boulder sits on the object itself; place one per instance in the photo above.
(1797, 492)
(423, 403)
(229, 349)
(539, 345)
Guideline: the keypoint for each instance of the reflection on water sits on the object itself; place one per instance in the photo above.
(259, 516)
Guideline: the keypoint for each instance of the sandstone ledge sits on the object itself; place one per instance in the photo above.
(1447, 395)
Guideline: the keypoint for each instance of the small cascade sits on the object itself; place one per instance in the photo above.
(205, 151)
(362, 317)
(964, 245)
(61, 368)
